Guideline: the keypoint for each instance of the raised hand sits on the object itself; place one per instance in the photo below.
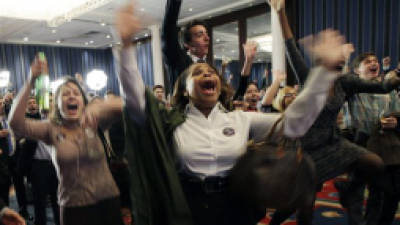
(278, 5)
(279, 75)
(127, 23)
(250, 50)
(328, 47)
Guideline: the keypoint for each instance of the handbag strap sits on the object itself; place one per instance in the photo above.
(107, 147)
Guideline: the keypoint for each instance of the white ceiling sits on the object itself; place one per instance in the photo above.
(87, 31)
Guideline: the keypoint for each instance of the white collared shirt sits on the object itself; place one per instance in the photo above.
(195, 58)
(210, 146)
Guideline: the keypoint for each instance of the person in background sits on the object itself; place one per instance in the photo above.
(9, 216)
(6, 147)
(195, 44)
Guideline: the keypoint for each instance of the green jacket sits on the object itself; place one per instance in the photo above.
(157, 196)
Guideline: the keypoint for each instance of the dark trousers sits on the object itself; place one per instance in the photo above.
(217, 208)
(105, 212)
(44, 183)
(5, 183)
(20, 191)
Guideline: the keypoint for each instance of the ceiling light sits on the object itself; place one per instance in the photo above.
(26, 39)
(4, 78)
(103, 24)
(118, 43)
(54, 31)
(96, 80)
(58, 41)
(108, 36)
(142, 9)
(146, 34)
(190, 9)
(110, 45)
(218, 40)
(91, 42)
(86, 43)
(233, 51)
(54, 12)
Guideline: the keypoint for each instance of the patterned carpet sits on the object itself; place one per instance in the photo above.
(328, 210)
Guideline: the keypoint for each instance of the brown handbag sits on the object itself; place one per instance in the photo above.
(274, 174)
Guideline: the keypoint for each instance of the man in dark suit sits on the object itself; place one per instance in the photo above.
(9, 216)
(196, 42)
(196, 45)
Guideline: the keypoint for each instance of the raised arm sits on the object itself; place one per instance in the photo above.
(133, 87)
(273, 89)
(169, 33)
(21, 125)
(250, 50)
(102, 113)
(352, 84)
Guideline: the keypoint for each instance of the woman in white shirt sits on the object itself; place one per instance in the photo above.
(201, 137)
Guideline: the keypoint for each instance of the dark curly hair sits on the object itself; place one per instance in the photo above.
(180, 99)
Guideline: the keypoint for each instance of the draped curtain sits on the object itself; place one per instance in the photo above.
(371, 25)
(145, 61)
(61, 60)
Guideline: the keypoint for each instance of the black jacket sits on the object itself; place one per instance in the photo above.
(175, 57)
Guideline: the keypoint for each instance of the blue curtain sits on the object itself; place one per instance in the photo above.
(145, 61)
(371, 25)
(62, 61)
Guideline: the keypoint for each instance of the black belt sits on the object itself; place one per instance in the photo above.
(212, 184)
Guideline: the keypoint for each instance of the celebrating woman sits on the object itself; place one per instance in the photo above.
(180, 159)
(87, 192)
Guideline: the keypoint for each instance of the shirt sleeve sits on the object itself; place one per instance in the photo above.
(133, 89)
(34, 129)
(301, 114)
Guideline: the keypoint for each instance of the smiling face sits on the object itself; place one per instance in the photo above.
(368, 68)
(70, 102)
(252, 95)
(199, 42)
(32, 107)
(203, 85)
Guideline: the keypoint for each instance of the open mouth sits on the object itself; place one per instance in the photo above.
(72, 109)
(208, 87)
(374, 70)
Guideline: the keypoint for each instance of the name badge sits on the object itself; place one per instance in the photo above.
(228, 131)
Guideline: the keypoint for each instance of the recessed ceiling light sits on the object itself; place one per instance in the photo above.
(118, 43)
(103, 24)
(26, 39)
(110, 45)
(86, 43)
(91, 42)
(233, 51)
(146, 34)
(218, 40)
(190, 9)
(54, 31)
(142, 9)
(58, 41)
(108, 36)
(136, 38)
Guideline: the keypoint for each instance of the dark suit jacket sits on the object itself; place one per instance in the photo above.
(2, 204)
(4, 160)
(175, 57)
